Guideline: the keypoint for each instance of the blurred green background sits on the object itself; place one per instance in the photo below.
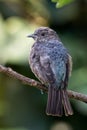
(23, 107)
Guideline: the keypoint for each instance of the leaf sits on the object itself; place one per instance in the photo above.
(61, 3)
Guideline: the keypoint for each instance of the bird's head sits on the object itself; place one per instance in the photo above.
(44, 34)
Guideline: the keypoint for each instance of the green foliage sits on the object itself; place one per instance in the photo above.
(14, 41)
(61, 3)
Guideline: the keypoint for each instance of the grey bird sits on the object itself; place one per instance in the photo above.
(52, 65)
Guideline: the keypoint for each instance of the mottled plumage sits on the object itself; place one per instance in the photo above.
(52, 65)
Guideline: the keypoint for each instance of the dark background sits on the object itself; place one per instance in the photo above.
(23, 107)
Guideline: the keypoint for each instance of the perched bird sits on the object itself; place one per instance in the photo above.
(51, 63)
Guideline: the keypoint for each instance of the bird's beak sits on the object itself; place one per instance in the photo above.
(31, 36)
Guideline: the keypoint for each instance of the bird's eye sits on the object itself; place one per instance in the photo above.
(43, 34)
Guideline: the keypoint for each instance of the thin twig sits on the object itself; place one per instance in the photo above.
(31, 82)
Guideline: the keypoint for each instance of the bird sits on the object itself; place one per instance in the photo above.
(51, 63)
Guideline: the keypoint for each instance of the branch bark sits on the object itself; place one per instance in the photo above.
(31, 82)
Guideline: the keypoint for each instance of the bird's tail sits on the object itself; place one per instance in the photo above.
(57, 101)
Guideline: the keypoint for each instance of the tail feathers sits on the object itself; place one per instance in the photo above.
(54, 102)
(59, 106)
(66, 103)
(57, 99)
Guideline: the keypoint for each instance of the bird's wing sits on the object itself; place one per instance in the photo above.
(47, 71)
(60, 72)
(69, 64)
(68, 70)
(55, 73)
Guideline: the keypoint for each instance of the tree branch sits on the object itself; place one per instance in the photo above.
(8, 71)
